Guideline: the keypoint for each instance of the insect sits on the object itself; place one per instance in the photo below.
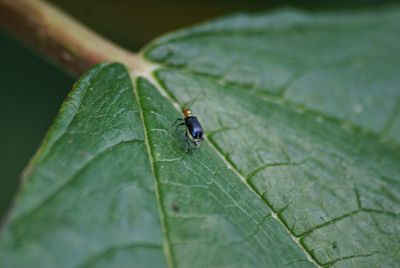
(194, 130)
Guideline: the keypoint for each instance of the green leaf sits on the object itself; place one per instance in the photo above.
(88, 197)
(300, 166)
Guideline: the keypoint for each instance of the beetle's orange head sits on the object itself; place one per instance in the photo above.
(187, 112)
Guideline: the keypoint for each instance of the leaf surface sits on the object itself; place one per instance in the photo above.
(299, 167)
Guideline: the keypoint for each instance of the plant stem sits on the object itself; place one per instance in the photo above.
(60, 37)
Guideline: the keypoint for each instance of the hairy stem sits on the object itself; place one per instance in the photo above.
(59, 36)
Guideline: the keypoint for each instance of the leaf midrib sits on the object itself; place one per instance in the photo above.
(166, 241)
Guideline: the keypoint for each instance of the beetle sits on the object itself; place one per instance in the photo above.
(194, 130)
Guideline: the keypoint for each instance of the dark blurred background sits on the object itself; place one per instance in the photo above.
(32, 89)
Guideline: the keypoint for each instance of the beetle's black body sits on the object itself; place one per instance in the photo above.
(194, 130)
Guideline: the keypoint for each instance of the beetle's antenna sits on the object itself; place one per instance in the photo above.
(195, 98)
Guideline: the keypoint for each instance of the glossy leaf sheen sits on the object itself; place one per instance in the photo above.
(300, 167)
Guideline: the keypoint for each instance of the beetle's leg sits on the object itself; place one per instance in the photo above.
(178, 119)
(195, 145)
(174, 126)
(178, 125)
(191, 145)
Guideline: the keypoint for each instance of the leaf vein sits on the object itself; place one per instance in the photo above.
(104, 252)
(69, 180)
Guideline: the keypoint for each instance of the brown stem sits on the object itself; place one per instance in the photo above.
(59, 36)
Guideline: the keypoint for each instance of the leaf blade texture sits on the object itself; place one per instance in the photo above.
(299, 167)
